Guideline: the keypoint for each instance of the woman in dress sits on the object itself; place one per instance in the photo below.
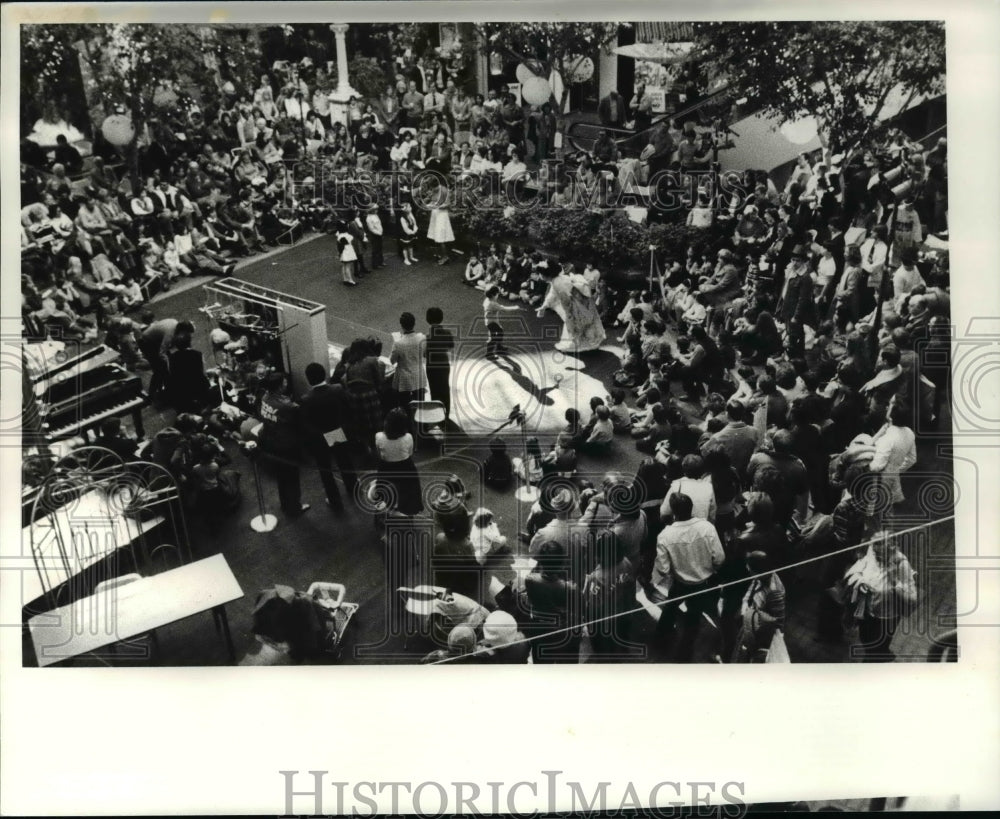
(439, 229)
(407, 233)
(571, 297)
(348, 256)
(397, 474)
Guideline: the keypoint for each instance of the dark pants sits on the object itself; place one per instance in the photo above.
(377, 257)
(403, 398)
(286, 474)
(439, 382)
(495, 344)
(876, 636)
(324, 457)
(690, 621)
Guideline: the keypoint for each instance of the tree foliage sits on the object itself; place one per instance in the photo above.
(555, 46)
(848, 75)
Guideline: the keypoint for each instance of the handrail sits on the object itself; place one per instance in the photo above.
(634, 141)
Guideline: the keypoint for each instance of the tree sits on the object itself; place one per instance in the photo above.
(848, 75)
(550, 46)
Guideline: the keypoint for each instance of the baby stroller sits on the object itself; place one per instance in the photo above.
(308, 626)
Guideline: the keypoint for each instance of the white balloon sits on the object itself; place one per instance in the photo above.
(523, 73)
(536, 91)
(118, 129)
(578, 70)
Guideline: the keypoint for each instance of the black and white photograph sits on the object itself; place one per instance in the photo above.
(509, 340)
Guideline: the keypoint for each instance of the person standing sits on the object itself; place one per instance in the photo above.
(439, 228)
(281, 444)
(348, 256)
(688, 555)
(324, 409)
(187, 383)
(407, 354)
(373, 226)
(491, 313)
(407, 234)
(438, 349)
(155, 343)
(880, 589)
(611, 110)
(356, 227)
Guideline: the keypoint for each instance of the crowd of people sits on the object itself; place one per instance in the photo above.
(769, 378)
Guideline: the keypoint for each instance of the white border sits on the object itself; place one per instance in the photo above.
(212, 740)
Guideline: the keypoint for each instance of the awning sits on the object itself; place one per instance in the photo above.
(665, 53)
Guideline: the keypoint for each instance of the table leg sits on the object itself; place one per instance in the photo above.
(140, 430)
(220, 612)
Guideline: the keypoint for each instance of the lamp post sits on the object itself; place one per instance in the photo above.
(340, 98)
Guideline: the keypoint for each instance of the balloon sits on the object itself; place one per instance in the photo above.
(799, 132)
(523, 73)
(118, 130)
(578, 70)
(536, 91)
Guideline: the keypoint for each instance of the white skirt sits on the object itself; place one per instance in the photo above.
(439, 228)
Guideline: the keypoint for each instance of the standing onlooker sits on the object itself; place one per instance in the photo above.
(373, 226)
(324, 410)
(356, 227)
(407, 234)
(407, 354)
(612, 110)
(880, 589)
(763, 611)
(348, 256)
(281, 443)
(688, 555)
(155, 343)
(187, 384)
(439, 228)
(439, 345)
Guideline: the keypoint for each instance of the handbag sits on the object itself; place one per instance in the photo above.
(778, 651)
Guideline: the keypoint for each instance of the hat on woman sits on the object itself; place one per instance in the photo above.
(500, 628)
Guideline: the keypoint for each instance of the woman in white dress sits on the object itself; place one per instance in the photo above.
(439, 229)
(571, 296)
(348, 256)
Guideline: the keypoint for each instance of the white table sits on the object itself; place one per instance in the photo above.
(88, 529)
(119, 614)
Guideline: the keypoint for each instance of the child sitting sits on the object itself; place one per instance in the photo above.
(474, 272)
(485, 535)
(627, 313)
(529, 469)
(621, 420)
(642, 418)
(498, 469)
(602, 433)
(562, 459)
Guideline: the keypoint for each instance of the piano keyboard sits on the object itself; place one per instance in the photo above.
(90, 421)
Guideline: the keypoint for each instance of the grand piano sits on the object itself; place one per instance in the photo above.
(76, 395)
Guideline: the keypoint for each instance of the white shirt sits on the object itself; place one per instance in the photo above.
(700, 491)
(895, 452)
(374, 224)
(689, 551)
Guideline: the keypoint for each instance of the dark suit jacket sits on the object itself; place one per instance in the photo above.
(323, 409)
(188, 385)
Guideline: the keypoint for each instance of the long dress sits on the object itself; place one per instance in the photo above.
(571, 297)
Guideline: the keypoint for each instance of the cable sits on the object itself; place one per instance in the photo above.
(663, 603)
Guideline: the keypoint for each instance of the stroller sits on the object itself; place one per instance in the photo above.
(306, 626)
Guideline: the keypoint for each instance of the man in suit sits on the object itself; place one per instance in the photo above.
(440, 343)
(356, 227)
(324, 408)
(187, 382)
(408, 356)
